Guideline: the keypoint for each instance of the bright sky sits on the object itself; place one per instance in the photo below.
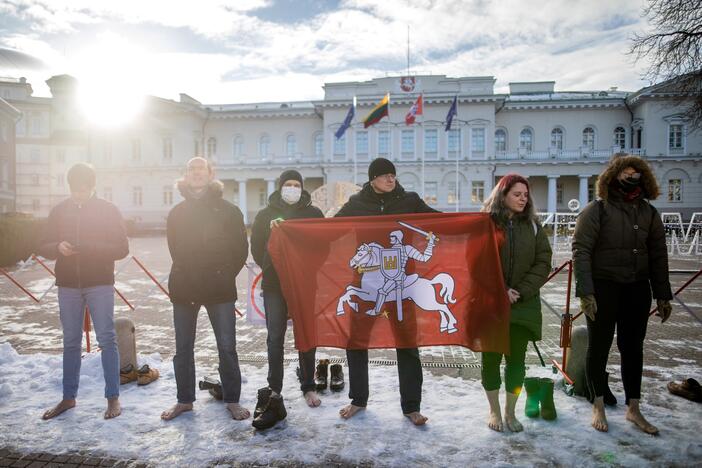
(274, 50)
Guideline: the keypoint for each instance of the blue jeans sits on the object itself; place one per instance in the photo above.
(224, 326)
(277, 324)
(101, 304)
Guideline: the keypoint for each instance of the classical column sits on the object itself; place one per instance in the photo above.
(271, 186)
(551, 197)
(582, 192)
(243, 205)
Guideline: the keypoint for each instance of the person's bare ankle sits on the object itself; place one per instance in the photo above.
(114, 408)
(238, 412)
(62, 406)
(176, 410)
(312, 399)
(599, 418)
(417, 418)
(350, 411)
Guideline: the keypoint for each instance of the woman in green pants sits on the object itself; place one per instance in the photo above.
(525, 254)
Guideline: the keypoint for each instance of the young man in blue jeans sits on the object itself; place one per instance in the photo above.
(86, 235)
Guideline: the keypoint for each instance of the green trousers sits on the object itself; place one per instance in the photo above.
(514, 368)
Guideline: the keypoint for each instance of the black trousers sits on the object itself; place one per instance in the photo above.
(623, 306)
(409, 368)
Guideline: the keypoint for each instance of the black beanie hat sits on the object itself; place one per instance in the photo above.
(290, 174)
(380, 166)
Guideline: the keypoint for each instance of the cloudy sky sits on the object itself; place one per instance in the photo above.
(271, 50)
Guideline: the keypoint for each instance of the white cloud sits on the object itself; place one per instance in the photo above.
(579, 44)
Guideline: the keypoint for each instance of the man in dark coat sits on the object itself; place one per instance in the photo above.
(382, 194)
(85, 235)
(621, 261)
(208, 245)
(290, 201)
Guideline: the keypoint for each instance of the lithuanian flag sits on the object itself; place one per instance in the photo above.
(379, 111)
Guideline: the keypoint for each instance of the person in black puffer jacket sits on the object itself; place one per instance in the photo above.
(290, 201)
(208, 245)
(620, 256)
(382, 194)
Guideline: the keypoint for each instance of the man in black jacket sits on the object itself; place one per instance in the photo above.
(86, 235)
(382, 194)
(208, 245)
(290, 201)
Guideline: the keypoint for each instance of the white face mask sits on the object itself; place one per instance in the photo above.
(291, 195)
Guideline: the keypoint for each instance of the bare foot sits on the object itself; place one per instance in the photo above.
(349, 411)
(637, 418)
(599, 420)
(58, 409)
(312, 399)
(495, 421)
(176, 410)
(513, 423)
(238, 412)
(114, 409)
(417, 418)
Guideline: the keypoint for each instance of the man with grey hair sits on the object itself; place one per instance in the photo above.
(208, 245)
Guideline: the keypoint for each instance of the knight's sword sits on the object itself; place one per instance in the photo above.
(426, 234)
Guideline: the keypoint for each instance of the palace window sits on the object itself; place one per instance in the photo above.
(526, 139)
(675, 190)
(477, 192)
(589, 138)
(620, 137)
(500, 140)
(557, 138)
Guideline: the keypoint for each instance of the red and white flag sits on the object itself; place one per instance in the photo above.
(416, 109)
(395, 281)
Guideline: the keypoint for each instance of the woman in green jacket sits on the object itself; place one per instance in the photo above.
(525, 254)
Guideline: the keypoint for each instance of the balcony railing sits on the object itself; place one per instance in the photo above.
(565, 154)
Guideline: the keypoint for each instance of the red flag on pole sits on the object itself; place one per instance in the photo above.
(416, 109)
(341, 279)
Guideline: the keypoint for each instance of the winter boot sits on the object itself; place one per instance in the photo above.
(531, 385)
(273, 411)
(213, 386)
(146, 375)
(548, 408)
(336, 379)
(264, 394)
(127, 374)
(320, 375)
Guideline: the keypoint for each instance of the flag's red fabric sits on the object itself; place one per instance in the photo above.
(453, 294)
(416, 109)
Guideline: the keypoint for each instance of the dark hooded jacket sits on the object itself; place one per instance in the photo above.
(208, 245)
(368, 203)
(261, 231)
(620, 239)
(96, 230)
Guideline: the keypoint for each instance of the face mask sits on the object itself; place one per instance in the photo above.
(630, 183)
(291, 195)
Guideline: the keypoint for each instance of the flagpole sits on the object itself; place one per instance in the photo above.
(458, 157)
(423, 153)
(355, 150)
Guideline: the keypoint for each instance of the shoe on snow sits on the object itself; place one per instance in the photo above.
(273, 411)
(127, 374)
(146, 375)
(320, 375)
(262, 397)
(213, 386)
(336, 378)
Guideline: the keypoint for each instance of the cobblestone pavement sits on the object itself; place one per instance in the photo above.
(34, 328)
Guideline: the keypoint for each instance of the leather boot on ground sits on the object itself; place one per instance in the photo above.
(320, 375)
(273, 411)
(262, 397)
(127, 374)
(146, 375)
(336, 378)
(548, 408)
(531, 385)
(213, 386)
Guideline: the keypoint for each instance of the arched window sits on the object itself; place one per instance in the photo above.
(318, 145)
(557, 138)
(264, 146)
(211, 147)
(620, 137)
(526, 139)
(290, 145)
(238, 146)
(500, 140)
(589, 138)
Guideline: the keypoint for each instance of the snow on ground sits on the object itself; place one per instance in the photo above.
(456, 434)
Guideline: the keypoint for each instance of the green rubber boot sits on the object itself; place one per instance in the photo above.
(548, 408)
(531, 385)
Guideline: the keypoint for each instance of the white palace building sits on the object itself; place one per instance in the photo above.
(561, 140)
